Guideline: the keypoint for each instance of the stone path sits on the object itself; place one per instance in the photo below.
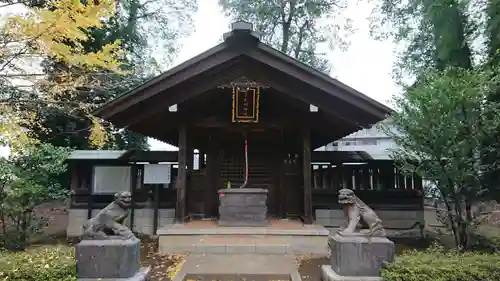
(247, 264)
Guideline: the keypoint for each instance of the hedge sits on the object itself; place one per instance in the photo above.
(489, 235)
(437, 265)
(39, 264)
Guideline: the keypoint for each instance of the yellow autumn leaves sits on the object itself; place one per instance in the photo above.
(58, 33)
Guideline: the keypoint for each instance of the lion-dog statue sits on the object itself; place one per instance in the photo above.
(108, 223)
(356, 210)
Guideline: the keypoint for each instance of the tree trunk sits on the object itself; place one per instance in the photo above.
(468, 218)
(461, 224)
(2, 211)
(453, 225)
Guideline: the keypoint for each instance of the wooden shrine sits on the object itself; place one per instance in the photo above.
(243, 91)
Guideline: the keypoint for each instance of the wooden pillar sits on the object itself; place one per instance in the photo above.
(317, 178)
(189, 173)
(358, 177)
(348, 176)
(190, 159)
(180, 183)
(417, 182)
(75, 183)
(387, 179)
(336, 177)
(342, 175)
(133, 187)
(280, 177)
(409, 182)
(400, 179)
(75, 177)
(88, 181)
(156, 207)
(281, 189)
(307, 172)
(366, 178)
(375, 177)
(326, 178)
(213, 165)
(210, 187)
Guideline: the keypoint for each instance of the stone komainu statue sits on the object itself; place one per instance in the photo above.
(356, 210)
(108, 223)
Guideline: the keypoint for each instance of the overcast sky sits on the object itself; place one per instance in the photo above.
(365, 66)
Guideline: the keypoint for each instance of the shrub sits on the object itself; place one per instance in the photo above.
(27, 180)
(437, 265)
(489, 235)
(56, 263)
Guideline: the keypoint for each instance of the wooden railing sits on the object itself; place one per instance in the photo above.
(378, 183)
(374, 175)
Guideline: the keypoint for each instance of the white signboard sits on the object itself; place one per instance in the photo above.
(111, 179)
(157, 173)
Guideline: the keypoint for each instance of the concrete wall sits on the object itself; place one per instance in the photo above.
(143, 220)
(390, 219)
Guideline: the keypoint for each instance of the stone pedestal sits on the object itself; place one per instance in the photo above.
(243, 207)
(357, 257)
(110, 260)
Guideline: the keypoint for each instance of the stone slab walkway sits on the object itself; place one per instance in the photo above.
(246, 264)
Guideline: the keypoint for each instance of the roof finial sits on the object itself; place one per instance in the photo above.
(241, 27)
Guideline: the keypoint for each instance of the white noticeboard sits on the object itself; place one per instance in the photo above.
(157, 173)
(111, 179)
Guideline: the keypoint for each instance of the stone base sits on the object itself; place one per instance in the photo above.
(142, 275)
(263, 222)
(360, 255)
(243, 207)
(293, 239)
(328, 274)
(108, 259)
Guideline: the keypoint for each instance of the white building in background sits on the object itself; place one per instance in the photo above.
(372, 141)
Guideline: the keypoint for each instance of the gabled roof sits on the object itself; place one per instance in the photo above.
(240, 53)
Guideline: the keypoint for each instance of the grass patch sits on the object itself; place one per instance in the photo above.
(48, 263)
(491, 234)
(56, 262)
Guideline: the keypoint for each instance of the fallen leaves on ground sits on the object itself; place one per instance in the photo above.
(164, 267)
(310, 267)
(301, 258)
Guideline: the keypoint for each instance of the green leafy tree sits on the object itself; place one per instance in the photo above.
(74, 91)
(133, 24)
(58, 31)
(493, 31)
(445, 120)
(440, 34)
(28, 179)
(296, 27)
(492, 35)
(436, 34)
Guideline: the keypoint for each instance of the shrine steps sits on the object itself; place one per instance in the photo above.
(279, 237)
